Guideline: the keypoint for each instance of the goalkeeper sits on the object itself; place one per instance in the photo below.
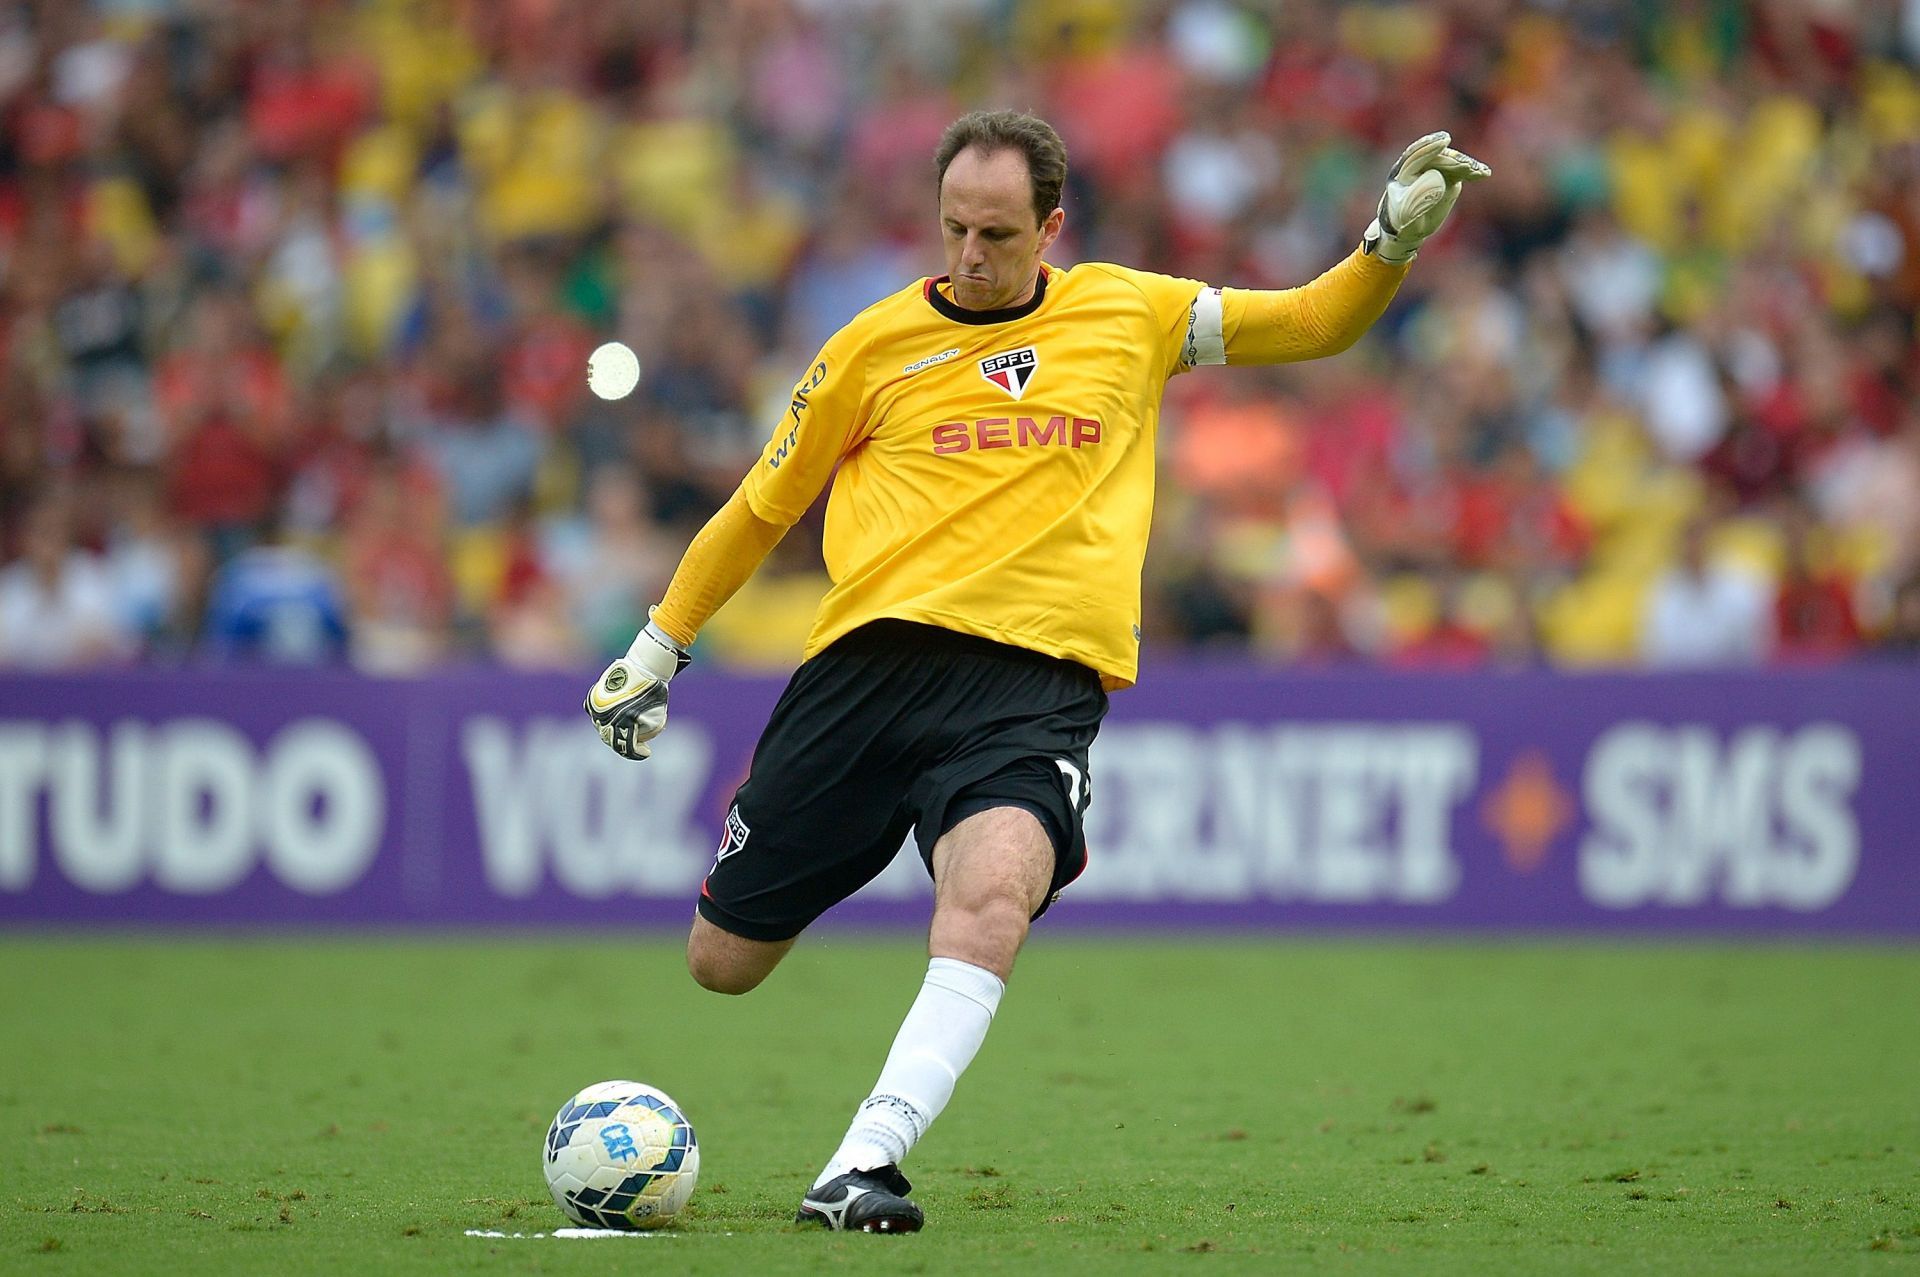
(989, 437)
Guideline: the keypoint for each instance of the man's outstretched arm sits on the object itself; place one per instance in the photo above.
(628, 703)
(720, 559)
(824, 419)
(1260, 326)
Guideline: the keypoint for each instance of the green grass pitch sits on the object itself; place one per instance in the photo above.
(353, 1105)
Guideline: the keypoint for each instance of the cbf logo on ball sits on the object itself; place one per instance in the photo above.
(1011, 370)
(619, 1142)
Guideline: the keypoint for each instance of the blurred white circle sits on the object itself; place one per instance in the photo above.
(613, 370)
(1874, 245)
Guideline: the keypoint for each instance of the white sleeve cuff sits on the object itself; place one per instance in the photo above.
(1206, 331)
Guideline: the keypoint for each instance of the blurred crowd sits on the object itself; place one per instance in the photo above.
(296, 298)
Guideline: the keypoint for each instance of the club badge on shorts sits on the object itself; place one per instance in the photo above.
(734, 836)
(1011, 370)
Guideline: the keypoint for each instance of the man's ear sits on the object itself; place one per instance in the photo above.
(1050, 229)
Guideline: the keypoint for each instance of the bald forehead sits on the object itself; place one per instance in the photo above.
(983, 184)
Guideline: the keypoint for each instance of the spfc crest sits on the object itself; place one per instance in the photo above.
(734, 836)
(1011, 370)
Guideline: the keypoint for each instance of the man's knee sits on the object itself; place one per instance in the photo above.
(993, 908)
(985, 929)
(718, 976)
(725, 963)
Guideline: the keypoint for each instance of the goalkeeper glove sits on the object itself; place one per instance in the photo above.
(1420, 193)
(628, 703)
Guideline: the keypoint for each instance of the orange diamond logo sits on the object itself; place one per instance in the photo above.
(1527, 811)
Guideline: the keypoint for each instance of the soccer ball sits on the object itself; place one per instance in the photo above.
(620, 1155)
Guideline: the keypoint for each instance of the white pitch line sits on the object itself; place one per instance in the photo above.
(570, 1233)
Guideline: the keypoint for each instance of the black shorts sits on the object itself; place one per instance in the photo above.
(899, 727)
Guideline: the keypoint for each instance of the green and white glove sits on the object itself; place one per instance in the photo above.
(1420, 192)
(628, 703)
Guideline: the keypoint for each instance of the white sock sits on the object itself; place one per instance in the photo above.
(936, 1042)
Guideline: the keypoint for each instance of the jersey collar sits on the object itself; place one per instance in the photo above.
(961, 315)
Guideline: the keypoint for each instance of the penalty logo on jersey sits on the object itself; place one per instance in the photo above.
(1011, 370)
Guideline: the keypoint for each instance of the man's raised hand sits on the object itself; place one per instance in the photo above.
(1421, 191)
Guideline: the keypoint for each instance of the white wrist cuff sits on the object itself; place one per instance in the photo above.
(655, 651)
(1387, 247)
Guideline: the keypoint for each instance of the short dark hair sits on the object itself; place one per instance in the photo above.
(1030, 135)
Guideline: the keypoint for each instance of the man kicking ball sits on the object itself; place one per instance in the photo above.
(989, 436)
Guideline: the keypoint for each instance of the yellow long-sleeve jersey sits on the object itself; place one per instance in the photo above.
(993, 471)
